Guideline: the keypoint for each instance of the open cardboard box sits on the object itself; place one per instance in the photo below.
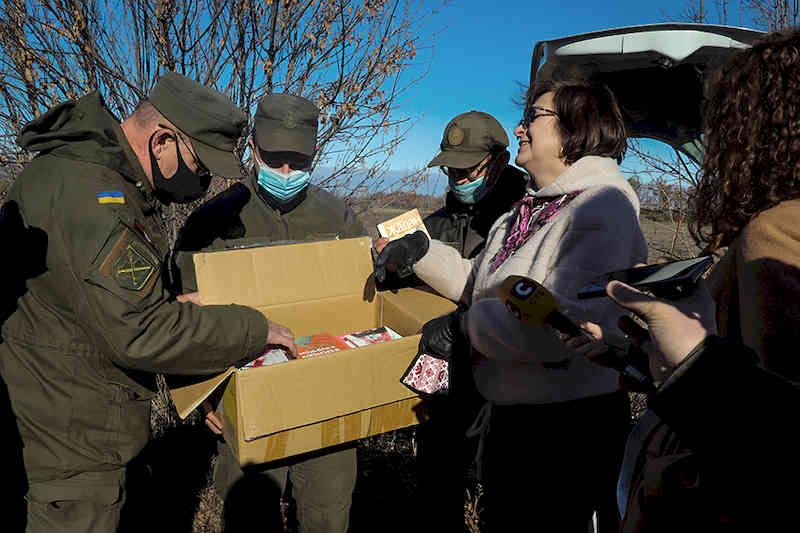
(303, 405)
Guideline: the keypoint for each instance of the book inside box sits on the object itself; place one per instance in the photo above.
(324, 343)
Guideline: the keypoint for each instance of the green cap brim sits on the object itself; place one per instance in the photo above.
(457, 159)
(220, 162)
(276, 139)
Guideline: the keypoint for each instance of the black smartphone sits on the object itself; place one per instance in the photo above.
(667, 280)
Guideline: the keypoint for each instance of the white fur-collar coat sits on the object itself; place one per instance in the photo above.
(595, 233)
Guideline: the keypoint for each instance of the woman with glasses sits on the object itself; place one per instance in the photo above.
(555, 425)
(559, 422)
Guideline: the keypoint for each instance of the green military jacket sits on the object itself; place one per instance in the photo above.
(244, 215)
(88, 317)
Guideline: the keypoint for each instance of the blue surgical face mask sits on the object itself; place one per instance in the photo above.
(471, 192)
(283, 187)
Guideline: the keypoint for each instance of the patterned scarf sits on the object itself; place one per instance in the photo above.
(532, 213)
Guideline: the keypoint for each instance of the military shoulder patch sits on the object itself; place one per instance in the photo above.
(130, 263)
(133, 269)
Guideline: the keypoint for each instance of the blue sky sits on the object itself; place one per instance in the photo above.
(484, 49)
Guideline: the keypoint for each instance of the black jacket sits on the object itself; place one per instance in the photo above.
(737, 464)
(466, 226)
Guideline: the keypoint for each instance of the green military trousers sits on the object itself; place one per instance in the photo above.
(87, 503)
(322, 487)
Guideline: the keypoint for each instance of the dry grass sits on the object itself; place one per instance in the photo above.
(386, 483)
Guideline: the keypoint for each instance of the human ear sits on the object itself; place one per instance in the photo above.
(502, 159)
(254, 151)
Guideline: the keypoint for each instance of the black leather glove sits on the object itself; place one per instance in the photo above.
(431, 371)
(443, 336)
(401, 254)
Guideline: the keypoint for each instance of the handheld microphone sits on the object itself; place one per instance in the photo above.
(531, 303)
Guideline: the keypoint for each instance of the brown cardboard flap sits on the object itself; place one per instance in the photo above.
(188, 397)
(407, 310)
(346, 428)
(284, 274)
(298, 393)
(342, 314)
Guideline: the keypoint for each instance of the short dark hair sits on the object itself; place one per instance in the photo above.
(145, 114)
(589, 118)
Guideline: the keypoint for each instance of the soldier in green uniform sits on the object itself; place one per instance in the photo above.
(474, 156)
(278, 204)
(93, 318)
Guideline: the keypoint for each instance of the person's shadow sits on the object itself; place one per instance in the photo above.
(253, 502)
(25, 253)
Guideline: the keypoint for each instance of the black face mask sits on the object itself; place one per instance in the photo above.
(185, 186)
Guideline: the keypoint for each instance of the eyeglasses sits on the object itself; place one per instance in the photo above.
(458, 174)
(295, 160)
(531, 115)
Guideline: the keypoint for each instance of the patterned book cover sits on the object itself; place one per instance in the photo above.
(270, 357)
(369, 336)
(427, 375)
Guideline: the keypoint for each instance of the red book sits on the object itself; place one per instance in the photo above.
(319, 344)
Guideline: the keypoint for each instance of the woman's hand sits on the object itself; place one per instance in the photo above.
(621, 353)
(590, 345)
(674, 326)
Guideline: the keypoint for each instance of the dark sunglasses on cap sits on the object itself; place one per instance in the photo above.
(457, 174)
(296, 161)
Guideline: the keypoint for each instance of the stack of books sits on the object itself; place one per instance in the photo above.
(324, 343)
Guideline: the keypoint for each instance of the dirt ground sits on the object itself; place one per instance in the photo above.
(179, 459)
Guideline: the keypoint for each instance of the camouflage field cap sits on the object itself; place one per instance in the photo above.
(469, 138)
(211, 120)
(286, 123)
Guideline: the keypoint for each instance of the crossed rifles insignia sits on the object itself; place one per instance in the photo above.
(133, 269)
(290, 121)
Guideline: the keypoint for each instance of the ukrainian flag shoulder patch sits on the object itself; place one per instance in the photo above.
(110, 197)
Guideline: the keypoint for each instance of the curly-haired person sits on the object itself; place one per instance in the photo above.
(748, 200)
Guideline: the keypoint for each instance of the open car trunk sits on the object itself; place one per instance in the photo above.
(657, 73)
